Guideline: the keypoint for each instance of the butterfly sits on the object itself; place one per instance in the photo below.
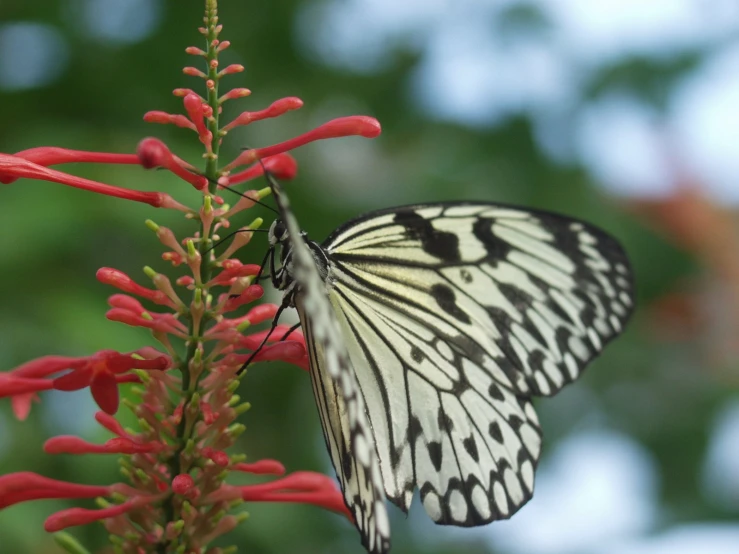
(429, 330)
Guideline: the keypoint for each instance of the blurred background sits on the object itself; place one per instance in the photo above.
(621, 112)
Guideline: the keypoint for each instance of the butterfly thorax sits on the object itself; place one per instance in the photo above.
(280, 257)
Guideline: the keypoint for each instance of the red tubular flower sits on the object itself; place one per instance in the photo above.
(253, 340)
(183, 483)
(22, 391)
(25, 485)
(12, 385)
(13, 167)
(261, 313)
(302, 487)
(80, 516)
(51, 155)
(111, 424)
(194, 106)
(249, 295)
(99, 372)
(355, 125)
(277, 108)
(281, 166)
(162, 323)
(23, 382)
(287, 350)
(66, 444)
(228, 275)
(262, 467)
(234, 92)
(164, 117)
(154, 153)
(218, 457)
(118, 279)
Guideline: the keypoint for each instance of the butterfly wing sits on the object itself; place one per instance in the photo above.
(460, 313)
(340, 403)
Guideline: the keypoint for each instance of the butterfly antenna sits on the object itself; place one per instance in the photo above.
(241, 194)
(213, 181)
(228, 236)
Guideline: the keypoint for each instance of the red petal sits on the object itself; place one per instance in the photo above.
(22, 405)
(104, 389)
(74, 380)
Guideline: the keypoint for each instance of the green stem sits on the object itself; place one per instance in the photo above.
(189, 385)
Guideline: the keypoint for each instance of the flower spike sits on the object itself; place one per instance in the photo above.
(209, 317)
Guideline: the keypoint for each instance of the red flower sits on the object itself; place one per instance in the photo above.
(101, 372)
(25, 485)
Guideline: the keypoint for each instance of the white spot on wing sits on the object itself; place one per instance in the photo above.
(458, 506)
(432, 505)
(480, 502)
(501, 499)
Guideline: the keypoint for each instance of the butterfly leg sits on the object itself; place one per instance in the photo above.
(286, 303)
(289, 331)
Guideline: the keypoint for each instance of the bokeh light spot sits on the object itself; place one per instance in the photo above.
(122, 21)
(32, 55)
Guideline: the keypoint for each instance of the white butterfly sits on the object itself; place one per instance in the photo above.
(429, 329)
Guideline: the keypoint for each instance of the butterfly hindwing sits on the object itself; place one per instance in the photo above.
(469, 445)
(340, 402)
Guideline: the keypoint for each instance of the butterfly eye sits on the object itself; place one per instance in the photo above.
(280, 232)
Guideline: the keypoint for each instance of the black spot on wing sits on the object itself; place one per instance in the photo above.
(496, 247)
(495, 432)
(417, 354)
(471, 447)
(495, 392)
(434, 449)
(347, 466)
(534, 331)
(440, 244)
(414, 430)
(447, 301)
(588, 312)
(507, 366)
(536, 361)
(520, 300)
(515, 422)
(444, 421)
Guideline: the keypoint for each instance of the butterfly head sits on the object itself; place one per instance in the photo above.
(277, 233)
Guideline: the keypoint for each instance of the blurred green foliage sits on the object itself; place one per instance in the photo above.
(55, 238)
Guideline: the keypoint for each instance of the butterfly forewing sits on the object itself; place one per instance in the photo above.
(460, 313)
(539, 293)
(340, 403)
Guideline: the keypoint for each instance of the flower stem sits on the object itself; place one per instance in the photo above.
(189, 385)
(211, 164)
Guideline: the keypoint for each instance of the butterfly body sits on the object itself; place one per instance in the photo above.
(429, 329)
